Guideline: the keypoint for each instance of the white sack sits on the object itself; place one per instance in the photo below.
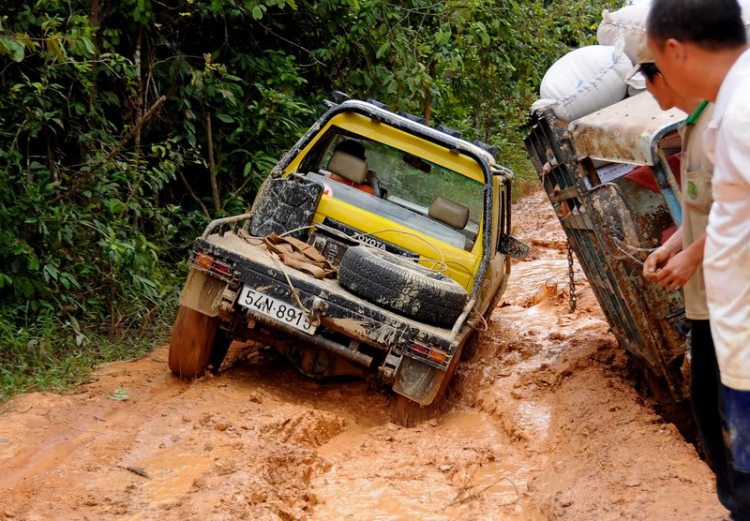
(586, 80)
(627, 24)
(542, 104)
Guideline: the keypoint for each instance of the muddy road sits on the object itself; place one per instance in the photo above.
(544, 422)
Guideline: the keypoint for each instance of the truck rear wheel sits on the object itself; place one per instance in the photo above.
(197, 344)
(408, 413)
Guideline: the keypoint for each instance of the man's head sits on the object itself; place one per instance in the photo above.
(658, 87)
(693, 41)
(656, 84)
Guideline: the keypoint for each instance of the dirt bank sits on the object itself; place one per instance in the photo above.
(544, 423)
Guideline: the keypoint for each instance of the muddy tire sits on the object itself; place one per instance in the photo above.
(408, 413)
(197, 344)
(402, 286)
(219, 350)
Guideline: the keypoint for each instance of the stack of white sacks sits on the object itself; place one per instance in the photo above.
(591, 78)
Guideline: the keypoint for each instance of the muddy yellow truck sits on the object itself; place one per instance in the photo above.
(377, 245)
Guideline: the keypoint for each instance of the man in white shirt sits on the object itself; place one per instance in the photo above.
(678, 263)
(701, 48)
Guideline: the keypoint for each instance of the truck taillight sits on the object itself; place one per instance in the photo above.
(222, 268)
(210, 264)
(430, 353)
(203, 261)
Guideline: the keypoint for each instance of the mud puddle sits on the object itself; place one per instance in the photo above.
(544, 423)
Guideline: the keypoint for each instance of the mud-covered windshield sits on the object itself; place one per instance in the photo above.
(415, 182)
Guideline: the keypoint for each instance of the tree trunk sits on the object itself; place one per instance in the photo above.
(94, 22)
(94, 13)
(427, 105)
(139, 92)
(488, 115)
(212, 165)
(51, 165)
(192, 194)
(428, 93)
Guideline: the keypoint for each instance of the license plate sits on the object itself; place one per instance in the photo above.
(269, 306)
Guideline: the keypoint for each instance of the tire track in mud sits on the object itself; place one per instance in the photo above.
(544, 423)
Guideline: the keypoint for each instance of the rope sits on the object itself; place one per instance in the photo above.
(486, 325)
(296, 230)
(442, 262)
(428, 243)
(618, 242)
(313, 319)
(634, 248)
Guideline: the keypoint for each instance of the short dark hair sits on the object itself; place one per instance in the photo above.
(351, 147)
(712, 24)
(650, 70)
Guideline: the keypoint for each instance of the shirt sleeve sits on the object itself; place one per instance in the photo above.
(736, 136)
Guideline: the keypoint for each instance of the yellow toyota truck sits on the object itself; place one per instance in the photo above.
(377, 244)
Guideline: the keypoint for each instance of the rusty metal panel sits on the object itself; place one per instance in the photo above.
(626, 132)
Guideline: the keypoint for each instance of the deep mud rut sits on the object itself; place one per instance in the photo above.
(544, 423)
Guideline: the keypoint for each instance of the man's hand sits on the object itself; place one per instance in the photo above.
(655, 261)
(678, 270)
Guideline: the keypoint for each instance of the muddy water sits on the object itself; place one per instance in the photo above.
(418, 475)
(544, 422)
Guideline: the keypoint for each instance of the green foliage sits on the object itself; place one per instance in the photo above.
(97, 211)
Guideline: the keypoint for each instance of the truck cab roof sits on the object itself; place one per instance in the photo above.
(626, 132)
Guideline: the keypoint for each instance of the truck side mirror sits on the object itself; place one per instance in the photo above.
(512, 247)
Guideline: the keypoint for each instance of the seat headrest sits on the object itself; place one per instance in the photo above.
(450, 213)
(348, 166)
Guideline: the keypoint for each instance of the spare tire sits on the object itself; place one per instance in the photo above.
(402, 285)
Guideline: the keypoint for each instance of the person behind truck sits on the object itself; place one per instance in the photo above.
(677, 263)
(700, 46)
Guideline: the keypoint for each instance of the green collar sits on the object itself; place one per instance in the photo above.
(695, 115)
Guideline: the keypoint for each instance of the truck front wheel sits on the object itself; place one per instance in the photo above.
(197, 344)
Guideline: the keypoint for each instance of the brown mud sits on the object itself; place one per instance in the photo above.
(544, 423)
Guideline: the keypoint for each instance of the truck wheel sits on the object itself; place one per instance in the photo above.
(402, 286)
(408, 413)
(197, 344)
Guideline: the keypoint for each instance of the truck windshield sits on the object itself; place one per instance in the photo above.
(414, 182)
